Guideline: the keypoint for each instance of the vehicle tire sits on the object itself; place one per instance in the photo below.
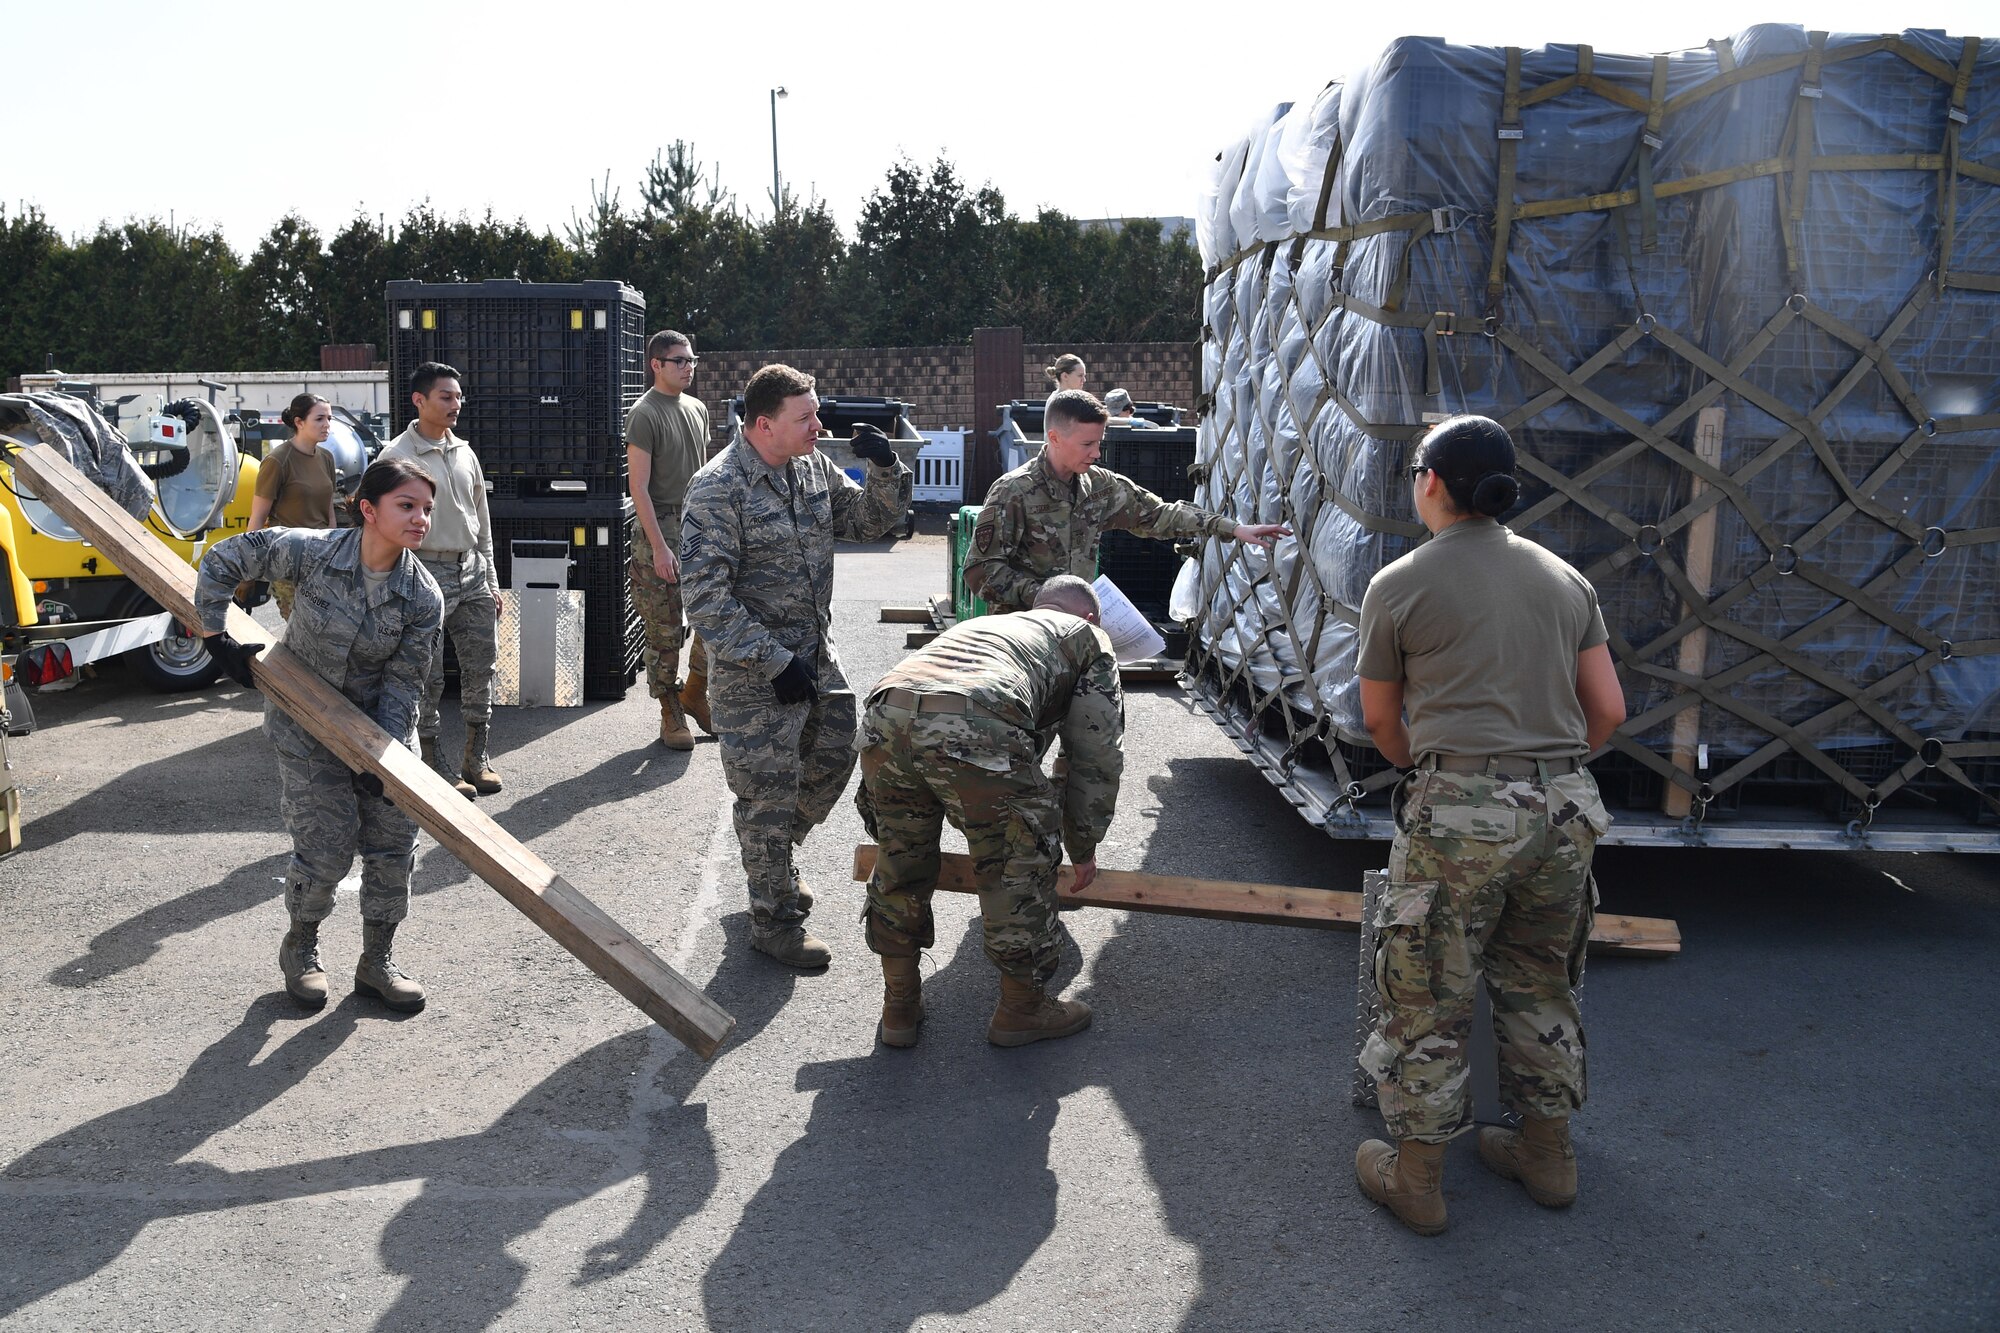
(179, 662)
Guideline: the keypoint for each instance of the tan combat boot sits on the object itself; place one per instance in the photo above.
(1026, 1013)
(674, 733)
(694, 700)
(1539, 1156)
(377, 974)
(791, 944)
(478, 769)
(428, 747)
(806, 899)
(902, 1001)
(298, 959)
(1407, 1179)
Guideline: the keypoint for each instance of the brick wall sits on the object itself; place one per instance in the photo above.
(937, 381)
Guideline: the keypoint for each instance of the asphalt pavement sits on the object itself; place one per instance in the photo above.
(1788, 1125)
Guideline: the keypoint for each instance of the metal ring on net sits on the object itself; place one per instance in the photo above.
(1936, 542)
(1931, 752)
(1646, 322)
(1944, 650)
(1491, 326)
(1797, 303)
(1647, 538)
(1787, 559)
(1929, 427)
(1857, 827)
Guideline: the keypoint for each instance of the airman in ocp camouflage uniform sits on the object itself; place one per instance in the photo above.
(757, 540)
(957, 731)
(1046, 516)
(371, 639)
(1495, 649)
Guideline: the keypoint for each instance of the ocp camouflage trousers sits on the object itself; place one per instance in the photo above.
(920, 769)
(786, 764)
(1489, 877)
(658, 603)
(470, 618)
(330, 822)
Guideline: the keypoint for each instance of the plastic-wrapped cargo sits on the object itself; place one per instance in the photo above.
(1738, 306)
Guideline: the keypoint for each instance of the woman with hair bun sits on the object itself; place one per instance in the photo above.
(1065, 372)
(1495, 649)
(297, 482)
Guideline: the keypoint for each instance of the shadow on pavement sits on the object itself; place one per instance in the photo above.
(921, 1184)
(135, 940)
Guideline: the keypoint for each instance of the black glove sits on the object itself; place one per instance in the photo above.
(794, 684)
(870, 443)
(235, 659)
(367, 784)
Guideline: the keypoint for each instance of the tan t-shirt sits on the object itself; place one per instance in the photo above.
(1483, 628)
(674, 430)
(298, 485)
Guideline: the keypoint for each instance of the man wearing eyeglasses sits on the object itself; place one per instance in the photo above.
(666, 442)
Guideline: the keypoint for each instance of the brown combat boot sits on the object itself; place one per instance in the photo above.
(1539, 1156)
(428, 746)
(478, 769)
(694, 700)
(791, 944)
(298, 959)
(674, 733)
(902, 1001)
(1026, 1013)
(377, 974)
(1407, 1179)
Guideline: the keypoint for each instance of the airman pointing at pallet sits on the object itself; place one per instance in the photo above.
(1046, 516)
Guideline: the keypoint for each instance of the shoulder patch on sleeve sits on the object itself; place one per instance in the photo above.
(988, 527)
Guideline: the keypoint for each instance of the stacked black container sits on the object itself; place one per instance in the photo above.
(1142, 567)
(550, 371)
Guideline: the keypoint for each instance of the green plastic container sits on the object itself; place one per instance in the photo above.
(964, 605)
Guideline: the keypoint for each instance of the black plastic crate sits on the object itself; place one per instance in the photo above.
(598, 531)
(1143, 568)
(550, 370)
(1156, 459)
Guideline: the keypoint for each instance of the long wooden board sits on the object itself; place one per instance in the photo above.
(1269, 904)
(521, 877)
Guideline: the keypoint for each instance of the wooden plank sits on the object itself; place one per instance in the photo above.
(1677, 801)
(906, 615)
(520, 876)
(1267, 904)
(917, 638)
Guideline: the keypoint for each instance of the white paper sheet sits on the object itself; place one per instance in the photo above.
(1133, 637)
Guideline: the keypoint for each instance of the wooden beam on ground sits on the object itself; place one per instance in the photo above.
(917, 638)
(520, 876)
(906, 615)
(1267, 904)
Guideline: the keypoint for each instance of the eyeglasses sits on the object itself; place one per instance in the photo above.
(681, 360)
(1418, 469)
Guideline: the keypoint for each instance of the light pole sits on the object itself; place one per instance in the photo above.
(777, 198)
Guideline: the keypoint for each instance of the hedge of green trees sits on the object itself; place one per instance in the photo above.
(930, 260)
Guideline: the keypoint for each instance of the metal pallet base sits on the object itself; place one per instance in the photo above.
(1322, 803)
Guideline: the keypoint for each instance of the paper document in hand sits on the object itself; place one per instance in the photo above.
(1133, 637)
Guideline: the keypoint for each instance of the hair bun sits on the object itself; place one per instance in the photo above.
(1495, 494)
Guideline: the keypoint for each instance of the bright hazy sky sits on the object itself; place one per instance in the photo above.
(234, 113)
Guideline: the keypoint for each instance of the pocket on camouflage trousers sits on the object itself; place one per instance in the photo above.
(1406, 970)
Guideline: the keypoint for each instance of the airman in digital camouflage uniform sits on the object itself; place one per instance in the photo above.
(1046, 516)
(757, 540)
(957, 731)
(369, 632)
(1496, 650)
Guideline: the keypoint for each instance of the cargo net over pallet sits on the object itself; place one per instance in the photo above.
(1738, 307)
